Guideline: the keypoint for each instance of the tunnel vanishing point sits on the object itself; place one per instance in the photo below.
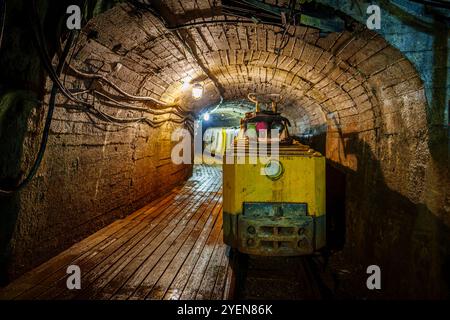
(87, 118)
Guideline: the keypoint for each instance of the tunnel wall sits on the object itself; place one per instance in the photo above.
(93, 173)
(397, 206)
(393, 146)
(396, 212)
(421, 34)
(396, 197)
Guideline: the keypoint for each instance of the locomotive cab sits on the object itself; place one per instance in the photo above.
(276, 205)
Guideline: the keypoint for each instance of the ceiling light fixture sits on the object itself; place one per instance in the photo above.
(197, 91)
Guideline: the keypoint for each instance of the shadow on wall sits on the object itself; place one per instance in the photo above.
(15, 108)
(335, 207)
(8, 221)
(335, 191)
(21, 84)
(383, 227)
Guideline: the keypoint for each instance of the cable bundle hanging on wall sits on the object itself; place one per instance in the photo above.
(172, 109)
(44, 140)
(87, 107)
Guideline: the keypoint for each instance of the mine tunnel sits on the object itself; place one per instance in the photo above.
(96, 97)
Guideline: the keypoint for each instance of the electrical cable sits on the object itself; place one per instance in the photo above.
(186, 45)
(46, 131)
(115, 87)
(54, 76)
(174, 109)
(3, 15)
(87, 106)
(206, 22)
(434, 3)
(74, 46)
(285, 36)
(132, 107)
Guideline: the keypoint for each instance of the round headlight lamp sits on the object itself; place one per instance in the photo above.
(273, 169)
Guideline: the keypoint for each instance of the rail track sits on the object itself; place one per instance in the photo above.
(279, 278)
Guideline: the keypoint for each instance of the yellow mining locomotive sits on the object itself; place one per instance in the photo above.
(277, 206)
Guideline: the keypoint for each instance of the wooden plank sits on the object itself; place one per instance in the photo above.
(104, 279)
(152, 216)
(125, 274)
(45, 273)
(212, 270)
(39, 274)
(102, 261)
(186, 258)
(147, 285)
(135, 280)
(195, 278)
(229, 287)
(109, 276)
(168, 274)
(170, 248)
(217, 292)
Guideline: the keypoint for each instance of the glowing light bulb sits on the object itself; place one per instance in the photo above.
(206, 116)
(197, 91)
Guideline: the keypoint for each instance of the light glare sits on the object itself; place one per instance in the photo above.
(197, 91)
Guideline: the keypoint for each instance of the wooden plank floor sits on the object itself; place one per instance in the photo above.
(170, 249)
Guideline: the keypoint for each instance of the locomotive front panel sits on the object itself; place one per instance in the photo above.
(277, 208)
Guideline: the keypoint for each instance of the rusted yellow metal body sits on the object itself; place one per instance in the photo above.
(276, 211)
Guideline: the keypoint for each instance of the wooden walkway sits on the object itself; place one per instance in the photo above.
(170, 249)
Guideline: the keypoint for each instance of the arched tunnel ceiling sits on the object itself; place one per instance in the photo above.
(345, 79)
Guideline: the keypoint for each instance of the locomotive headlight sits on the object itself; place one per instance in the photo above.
(273, 169)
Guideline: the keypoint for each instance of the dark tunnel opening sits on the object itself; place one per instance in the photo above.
(336, 197)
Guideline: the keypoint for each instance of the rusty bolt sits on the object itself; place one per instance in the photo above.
(251, 230)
